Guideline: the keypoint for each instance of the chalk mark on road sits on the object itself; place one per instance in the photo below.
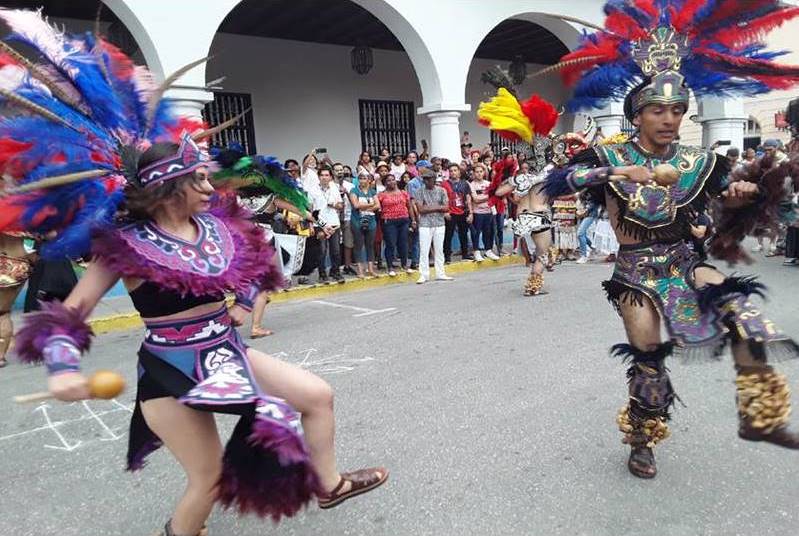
(362, 311)
(57, 426)
(334, 364)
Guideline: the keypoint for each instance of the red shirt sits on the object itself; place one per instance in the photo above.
(457, 199)
(394, 205)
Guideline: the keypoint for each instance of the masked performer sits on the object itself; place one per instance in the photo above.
(124, 179)
(514, 120)
(712, 47)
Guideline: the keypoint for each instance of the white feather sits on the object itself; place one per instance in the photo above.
(32, 26)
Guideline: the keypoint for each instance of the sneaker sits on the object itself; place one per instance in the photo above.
(478, 257)
(582, 260)
(414, 266)
(491, 255)
(790, 262)
(757, 248)
(445, 278)
(422, 279)
(338, 278)
(303, 281)
(323, 280)
(349, 270)
(409, 270)
(392, 273)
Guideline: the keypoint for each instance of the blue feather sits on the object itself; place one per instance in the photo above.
(603, 84)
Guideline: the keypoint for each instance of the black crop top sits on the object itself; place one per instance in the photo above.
(152, 301)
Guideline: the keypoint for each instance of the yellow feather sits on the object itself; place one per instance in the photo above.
(504, 113)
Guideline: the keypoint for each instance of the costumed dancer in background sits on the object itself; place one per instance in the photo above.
(516, 120)
(15, 268)
(667, 47)
(265, 188)
(564, 208)
(133, 189)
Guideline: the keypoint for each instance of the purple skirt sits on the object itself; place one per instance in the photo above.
(203, 363)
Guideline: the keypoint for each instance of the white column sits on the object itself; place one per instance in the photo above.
(722, 119)
(445, 135)
(189, 101)
(610, 118)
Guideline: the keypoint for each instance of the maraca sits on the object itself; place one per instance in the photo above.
(103, 384)
(664, 175)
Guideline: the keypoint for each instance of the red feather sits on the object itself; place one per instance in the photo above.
(648, 6)
(681, 19)
(731, 9)
(541, 114)
(607, 50)
(121, 65)
(10, 151)
(6, 59)
(510, 136)
(11, 209)
(737, 36)
(778, 82)
(740, 66)
(624, 25)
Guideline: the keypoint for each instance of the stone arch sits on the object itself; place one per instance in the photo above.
(124, 12)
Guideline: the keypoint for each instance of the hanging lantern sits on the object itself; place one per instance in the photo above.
(362, 60)
(517, 70)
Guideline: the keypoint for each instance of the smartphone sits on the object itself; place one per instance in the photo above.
(321, 150)
(723, 142)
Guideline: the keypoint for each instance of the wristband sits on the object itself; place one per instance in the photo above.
(61, 355)
(245, 300)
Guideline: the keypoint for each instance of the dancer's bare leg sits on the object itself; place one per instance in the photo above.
(7, 297)
(191, 436)
(312, 397)
(258, 307)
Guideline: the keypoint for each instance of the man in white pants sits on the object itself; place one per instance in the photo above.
(432, 206)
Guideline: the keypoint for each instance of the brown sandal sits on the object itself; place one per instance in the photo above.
(642, 462)
(361, 481)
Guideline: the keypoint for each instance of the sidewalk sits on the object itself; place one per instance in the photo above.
(117, 313)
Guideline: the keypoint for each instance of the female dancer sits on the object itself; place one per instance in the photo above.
(154, 222)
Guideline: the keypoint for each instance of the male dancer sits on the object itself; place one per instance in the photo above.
(658, 278)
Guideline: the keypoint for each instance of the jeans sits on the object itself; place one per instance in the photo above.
(582, 235)
(395, 237)
(330, 247)
(364, 239)
(434, 235)
(456, 221)
(483, 224)
(413, 237)
(499, 228)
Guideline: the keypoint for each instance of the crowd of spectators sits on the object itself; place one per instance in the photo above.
(386, 213)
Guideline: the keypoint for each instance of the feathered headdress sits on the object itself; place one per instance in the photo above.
(251, 176)
(714, 47)
(516, 120)
(76, 117)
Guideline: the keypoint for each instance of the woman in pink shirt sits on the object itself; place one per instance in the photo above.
(482, 223)
(397, 212)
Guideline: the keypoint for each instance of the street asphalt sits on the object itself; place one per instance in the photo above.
(494, 412)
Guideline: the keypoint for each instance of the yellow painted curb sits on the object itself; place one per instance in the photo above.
(132, 320)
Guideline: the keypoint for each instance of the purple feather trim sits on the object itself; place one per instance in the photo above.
(251, 262)
(266, 471)
(136, 460)
(53, 319)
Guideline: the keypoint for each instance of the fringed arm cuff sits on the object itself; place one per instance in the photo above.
(57, 335)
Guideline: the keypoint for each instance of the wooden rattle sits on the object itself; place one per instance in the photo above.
(104, 384)
(664, 175)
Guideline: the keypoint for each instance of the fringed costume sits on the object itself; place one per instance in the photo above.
(663, 48)
(74, 127)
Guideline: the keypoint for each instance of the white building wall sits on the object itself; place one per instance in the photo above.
(305, 95)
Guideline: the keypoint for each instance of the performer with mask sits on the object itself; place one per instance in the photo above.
(653, 187)
(99, 158)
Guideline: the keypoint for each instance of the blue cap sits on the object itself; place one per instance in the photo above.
(424, 164)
